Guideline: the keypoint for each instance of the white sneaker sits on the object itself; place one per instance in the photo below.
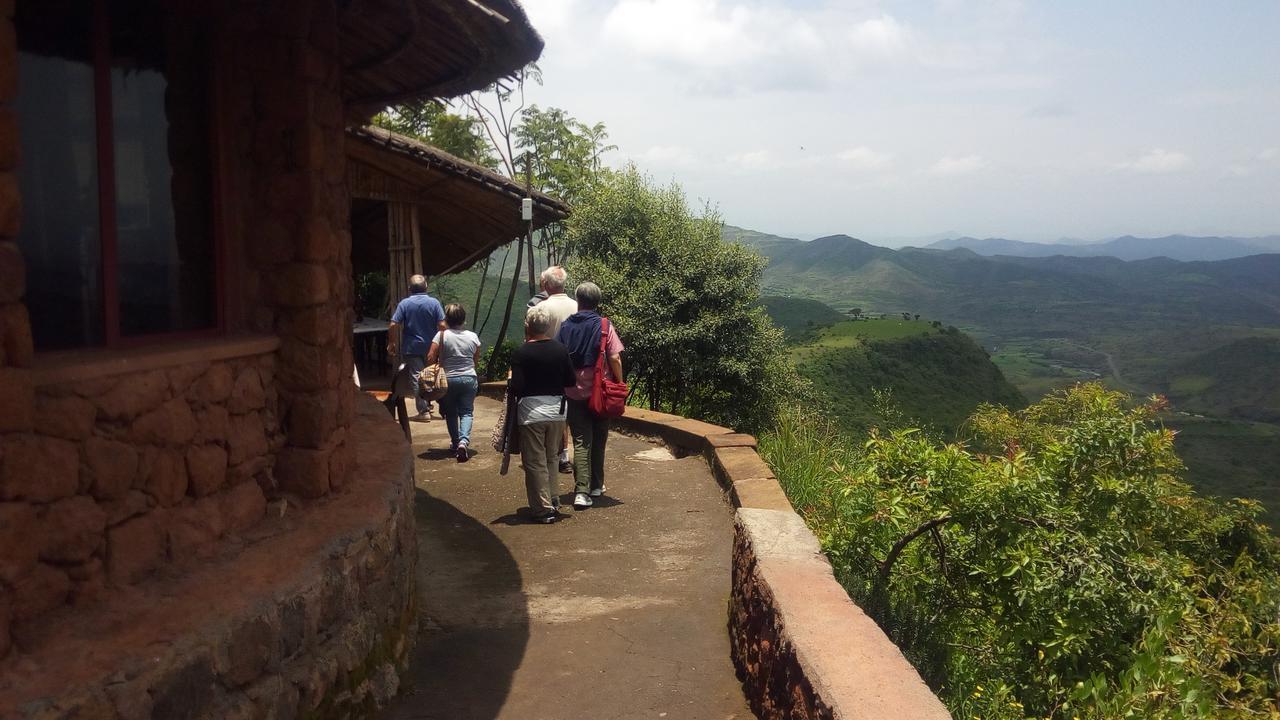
(581, 501)
(598, 491)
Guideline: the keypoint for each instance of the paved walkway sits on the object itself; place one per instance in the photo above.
(617, 612)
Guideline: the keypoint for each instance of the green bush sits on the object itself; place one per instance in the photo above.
(1055, 566)
(686, 304)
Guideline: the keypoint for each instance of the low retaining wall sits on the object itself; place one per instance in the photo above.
(124, 467)
(802, 648)
(310, 615)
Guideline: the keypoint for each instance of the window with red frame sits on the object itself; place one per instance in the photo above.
(116, 179)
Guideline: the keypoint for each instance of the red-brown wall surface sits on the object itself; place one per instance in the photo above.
(106, 480)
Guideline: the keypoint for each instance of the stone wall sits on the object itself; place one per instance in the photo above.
(114, 477)
(17, 391)
(104, 482)
(312, 616)
(288, 208)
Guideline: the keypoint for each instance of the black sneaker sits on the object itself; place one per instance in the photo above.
(547, 519)
(566, 467)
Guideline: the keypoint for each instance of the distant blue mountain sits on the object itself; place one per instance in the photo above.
(1186, 248)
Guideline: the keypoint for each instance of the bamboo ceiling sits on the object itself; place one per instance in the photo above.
(397, 50)
(466, 211)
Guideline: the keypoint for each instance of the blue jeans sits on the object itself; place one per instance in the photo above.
(458, 406)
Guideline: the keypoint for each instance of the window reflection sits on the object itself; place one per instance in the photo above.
(160, 248)
(165, 274)
(159, 100)
(58, 177)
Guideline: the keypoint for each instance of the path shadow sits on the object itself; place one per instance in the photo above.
(437, 454)
(604, 501)
(522, 517)
(473, 619)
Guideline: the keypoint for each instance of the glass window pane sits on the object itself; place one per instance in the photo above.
(58, 178)
(164, 237)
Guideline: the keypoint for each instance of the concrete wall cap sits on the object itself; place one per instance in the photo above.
(779, 534)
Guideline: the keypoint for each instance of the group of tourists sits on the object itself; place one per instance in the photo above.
(550, 388)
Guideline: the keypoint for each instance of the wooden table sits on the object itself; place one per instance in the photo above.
(369, 345)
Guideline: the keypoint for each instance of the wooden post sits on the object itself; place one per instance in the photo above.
(528, 189)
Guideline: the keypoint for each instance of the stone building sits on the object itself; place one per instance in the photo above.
(197, 515)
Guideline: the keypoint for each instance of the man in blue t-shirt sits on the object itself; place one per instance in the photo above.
(415, 322)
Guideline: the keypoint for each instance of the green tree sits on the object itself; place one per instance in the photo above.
(685, 302)
(431, 122)
(563, 155)
(1054, 566)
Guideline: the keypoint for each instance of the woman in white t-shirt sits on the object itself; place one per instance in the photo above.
(457, 351)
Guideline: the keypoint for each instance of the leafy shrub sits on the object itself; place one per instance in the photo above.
(686, 303)
(1054, 566)
(502, 359)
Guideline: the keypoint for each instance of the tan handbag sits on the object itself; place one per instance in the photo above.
(433, 384)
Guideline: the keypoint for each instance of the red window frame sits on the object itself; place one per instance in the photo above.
(108, 242)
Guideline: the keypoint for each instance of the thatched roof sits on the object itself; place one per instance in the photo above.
(398, 50)
(467, 211)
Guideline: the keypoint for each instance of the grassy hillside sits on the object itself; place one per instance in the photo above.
(799, 318)
(1230, 458)
(1238, 380)
(934, 376)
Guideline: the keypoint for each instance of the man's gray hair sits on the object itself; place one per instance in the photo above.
(417, 284)
(538, 320)
(553, 279)
(588, 295)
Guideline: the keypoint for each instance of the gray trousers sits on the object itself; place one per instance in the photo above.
(415, 364)
(590, 433)
(539, 454)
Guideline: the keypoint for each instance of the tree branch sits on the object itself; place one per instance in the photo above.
(886, 567)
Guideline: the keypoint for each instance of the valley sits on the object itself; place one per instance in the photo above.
(1206, 334)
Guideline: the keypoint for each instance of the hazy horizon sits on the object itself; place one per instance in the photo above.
(999, 118)
(896, 242)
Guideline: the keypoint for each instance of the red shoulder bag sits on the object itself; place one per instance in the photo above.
(608, 398)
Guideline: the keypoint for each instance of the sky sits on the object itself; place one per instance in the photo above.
(905, 120)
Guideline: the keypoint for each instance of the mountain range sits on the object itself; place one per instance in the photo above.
(967, 287)
(1204, 333)
(1174, 247)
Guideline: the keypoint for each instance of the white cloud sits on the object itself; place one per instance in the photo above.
(753, 160)
(1051, 110)
(667, 156)
(1269, 154)
(951, 166)
(710, 34)
(881, 38)
(550, 16)
(864, 158)
(1157, 161)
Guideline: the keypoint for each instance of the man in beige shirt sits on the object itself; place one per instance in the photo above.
(559, 306)
(557, 302)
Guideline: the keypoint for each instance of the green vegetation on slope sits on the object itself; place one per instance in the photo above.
(1204, 333)
(1237, 380)
(1231, 458)
(799, 318)
(933, 375)
(1054, 566)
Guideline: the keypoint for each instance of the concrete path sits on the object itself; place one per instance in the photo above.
(616, 612)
